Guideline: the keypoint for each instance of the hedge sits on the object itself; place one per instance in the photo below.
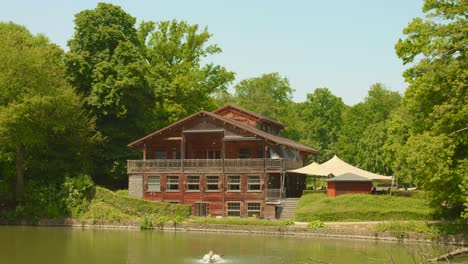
(140, 207)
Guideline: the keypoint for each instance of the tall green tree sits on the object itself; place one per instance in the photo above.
(322, 115)
(434, 151)
(107, 66)
(268, 95)
(42, 124)
(376, 108)
(180, 80)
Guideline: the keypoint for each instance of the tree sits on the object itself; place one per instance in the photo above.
(42, 124)
(106, 65)
(181, 83)
(322, 115)
(436, 102)
(268, 95)
(376, 108)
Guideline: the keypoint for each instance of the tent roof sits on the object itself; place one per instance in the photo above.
(349, 177)
(336, 166)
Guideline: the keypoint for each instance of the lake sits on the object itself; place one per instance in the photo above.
(48, 245)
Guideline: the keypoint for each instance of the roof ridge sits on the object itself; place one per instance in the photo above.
(251, 113)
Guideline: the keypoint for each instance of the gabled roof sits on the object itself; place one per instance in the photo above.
(248, 112)
(273, 138)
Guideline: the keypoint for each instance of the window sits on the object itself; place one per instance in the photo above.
(212, 183)
(160, 154)
(193, 183)
(172, 183)
(214, 154)
(233, 183)
(253, 209)
(176, 153)
(244, 153)
(233, 209)
(253, 183)
(154, 184)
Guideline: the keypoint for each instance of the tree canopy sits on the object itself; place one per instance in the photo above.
(434, 135)
(42, 125)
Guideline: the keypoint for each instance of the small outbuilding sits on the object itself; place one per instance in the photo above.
(348, 183)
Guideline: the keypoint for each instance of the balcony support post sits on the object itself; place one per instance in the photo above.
(144, 151)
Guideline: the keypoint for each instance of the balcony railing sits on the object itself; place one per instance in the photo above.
(273, 195)
(209, 165)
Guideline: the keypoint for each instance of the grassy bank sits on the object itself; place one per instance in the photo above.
(361, 207)
(423, 229)
(115, 207)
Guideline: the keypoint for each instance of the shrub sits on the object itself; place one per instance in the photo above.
(316, 224)
(145, 223)
(77, 194)
(40, 200)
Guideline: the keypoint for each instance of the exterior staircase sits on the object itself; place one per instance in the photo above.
(288, 207)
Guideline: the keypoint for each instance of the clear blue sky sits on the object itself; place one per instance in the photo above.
(343, 45)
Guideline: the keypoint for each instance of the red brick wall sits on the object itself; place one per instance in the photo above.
(337, 188)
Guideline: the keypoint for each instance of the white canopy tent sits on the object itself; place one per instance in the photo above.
(336, 166)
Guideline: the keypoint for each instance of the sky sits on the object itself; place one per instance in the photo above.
(343, 45)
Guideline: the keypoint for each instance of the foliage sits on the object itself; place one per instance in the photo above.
(268, 95)
(122, 192)
(361, 207)
(363, 134)
(40, 200)
(435, 105)
(43, 129)
(106, 66)
(145, 223)
(182, 85)
(140, 207)
(240, 221)
(315, 224)
(323, 114)
(77, 194)
(429, 230)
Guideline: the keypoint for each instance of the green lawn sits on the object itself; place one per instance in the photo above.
(361, 207)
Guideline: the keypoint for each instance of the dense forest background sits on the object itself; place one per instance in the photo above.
(65, 115)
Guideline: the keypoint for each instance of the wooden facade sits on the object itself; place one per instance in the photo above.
(229, 162)
(348, 183)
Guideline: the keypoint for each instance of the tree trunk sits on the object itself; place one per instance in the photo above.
(19, 172)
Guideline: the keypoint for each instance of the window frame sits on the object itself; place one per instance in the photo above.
(251, 212)
(207, 183)
(169, 183)
(148, 183)
(236, 210)
(188, 183)
(249, 184)
(229, 184)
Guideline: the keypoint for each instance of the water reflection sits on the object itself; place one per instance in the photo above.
(71, 245)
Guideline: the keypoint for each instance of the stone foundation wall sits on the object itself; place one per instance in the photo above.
(135, 186)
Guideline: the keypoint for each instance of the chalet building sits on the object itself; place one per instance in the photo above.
(229, 162)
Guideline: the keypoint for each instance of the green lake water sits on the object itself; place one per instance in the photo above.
(50, 245)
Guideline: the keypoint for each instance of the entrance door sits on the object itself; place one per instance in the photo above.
(295, 184)
(200, 209)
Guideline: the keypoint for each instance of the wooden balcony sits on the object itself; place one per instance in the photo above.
(210, 165)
